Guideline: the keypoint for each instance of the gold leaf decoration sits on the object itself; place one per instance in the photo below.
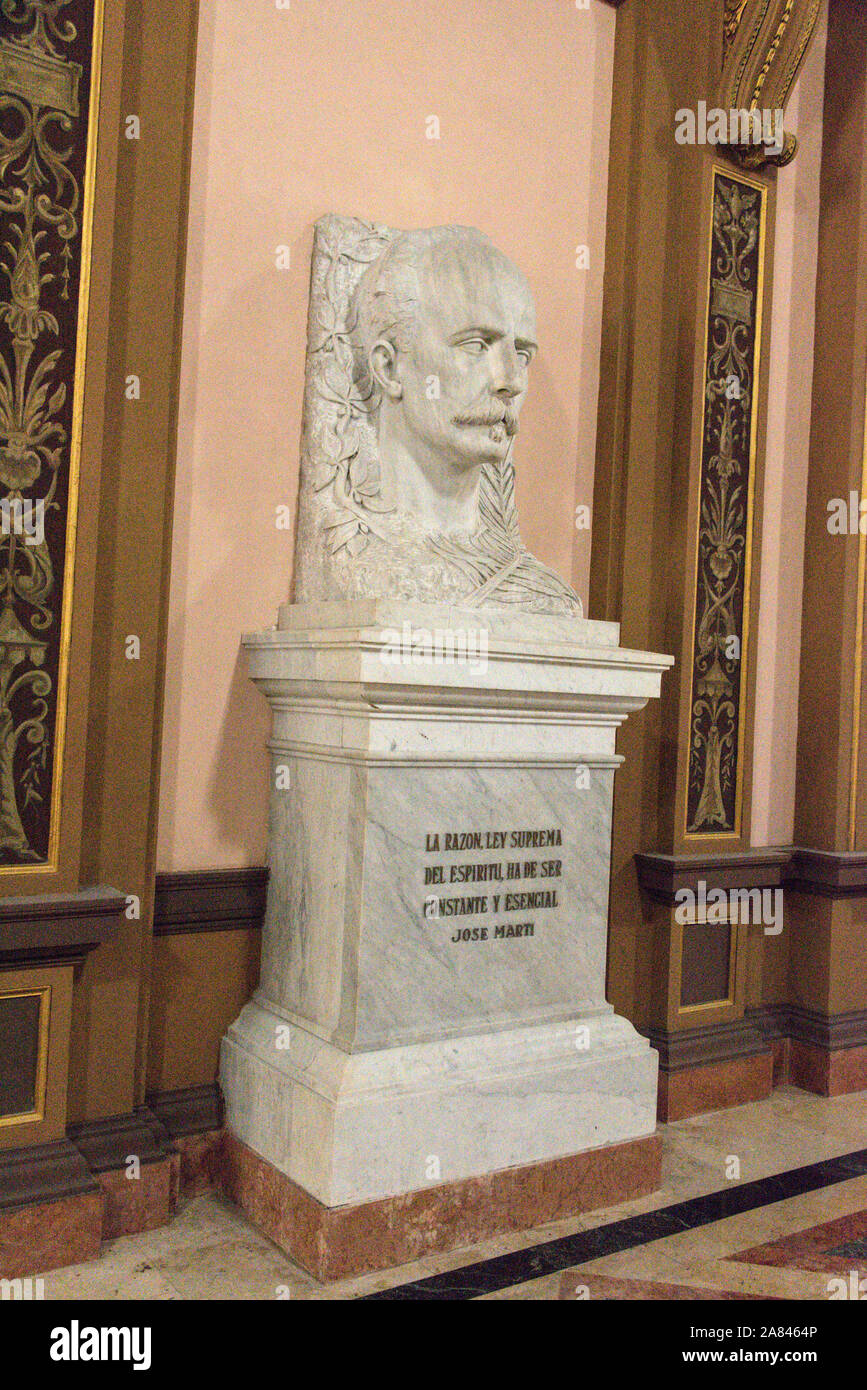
(724, 509)
(45, 79)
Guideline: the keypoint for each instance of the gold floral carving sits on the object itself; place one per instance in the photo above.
(43, 137)
(724, 528)
(734, 10)
(764, 45)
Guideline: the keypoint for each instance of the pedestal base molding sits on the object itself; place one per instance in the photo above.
(823, 1053)
(339, 1242)
(828, 1073)
(48, 1235)
(59, 1201)
(717, 1086)
(355, 1128)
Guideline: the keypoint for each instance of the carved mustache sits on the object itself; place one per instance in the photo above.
(498, 412)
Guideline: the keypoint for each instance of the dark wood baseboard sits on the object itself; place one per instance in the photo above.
(756, 1033)
(59, 1201)
(209, 900)
(727, 1064)
(107, 1144)
(43, 1173)
(193, 1110)
(683, 1049)
(829, 1032)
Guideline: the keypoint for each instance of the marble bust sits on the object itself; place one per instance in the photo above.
(419, 352)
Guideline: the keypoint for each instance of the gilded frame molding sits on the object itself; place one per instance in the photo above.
(37, 1114)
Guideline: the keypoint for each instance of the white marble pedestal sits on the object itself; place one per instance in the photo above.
(431, 1006)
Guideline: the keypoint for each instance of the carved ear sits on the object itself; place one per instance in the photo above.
(383, 369)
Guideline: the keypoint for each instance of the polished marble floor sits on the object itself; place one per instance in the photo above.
(799, 1163)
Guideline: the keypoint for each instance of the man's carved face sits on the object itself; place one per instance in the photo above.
(455, 392)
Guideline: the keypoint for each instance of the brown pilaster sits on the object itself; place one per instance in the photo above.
(137, 490)
(75, 994)
(678, 515)
(827, 908)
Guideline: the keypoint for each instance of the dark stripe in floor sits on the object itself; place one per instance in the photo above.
(554, 1256)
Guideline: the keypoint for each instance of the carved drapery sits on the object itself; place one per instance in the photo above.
(47, 50)
(725, 507)
(764, 46)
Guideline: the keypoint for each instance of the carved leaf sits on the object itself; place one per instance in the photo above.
(497, 499)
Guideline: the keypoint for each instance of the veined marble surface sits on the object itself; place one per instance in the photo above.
(356, 1127)
(348, 948)
(415, 998)
(523, 626)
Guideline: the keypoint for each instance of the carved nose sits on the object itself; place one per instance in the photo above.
(507, 379)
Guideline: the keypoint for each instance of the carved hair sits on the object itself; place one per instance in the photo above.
(386, 299)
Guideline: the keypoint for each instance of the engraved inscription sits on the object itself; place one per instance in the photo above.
(526, 871)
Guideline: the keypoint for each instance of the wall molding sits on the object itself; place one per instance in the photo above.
(831, 874)
(60, 928)
(827, 873)
(209, 900)
(663, 875)
(192, 1110)
(687, 1048)
(37, 1173)
(43, 1173)
(830, 1032)
(755, 1034)
(105, 1145)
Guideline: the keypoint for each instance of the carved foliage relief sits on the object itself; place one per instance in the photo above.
(733, 15)
(764, 46)
(725, 502)
(46, 51)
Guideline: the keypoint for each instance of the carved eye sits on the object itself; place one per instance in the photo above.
(474, 345)
(525, 355)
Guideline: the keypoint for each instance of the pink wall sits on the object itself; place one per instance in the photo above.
(790, 367)
(318, 107)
